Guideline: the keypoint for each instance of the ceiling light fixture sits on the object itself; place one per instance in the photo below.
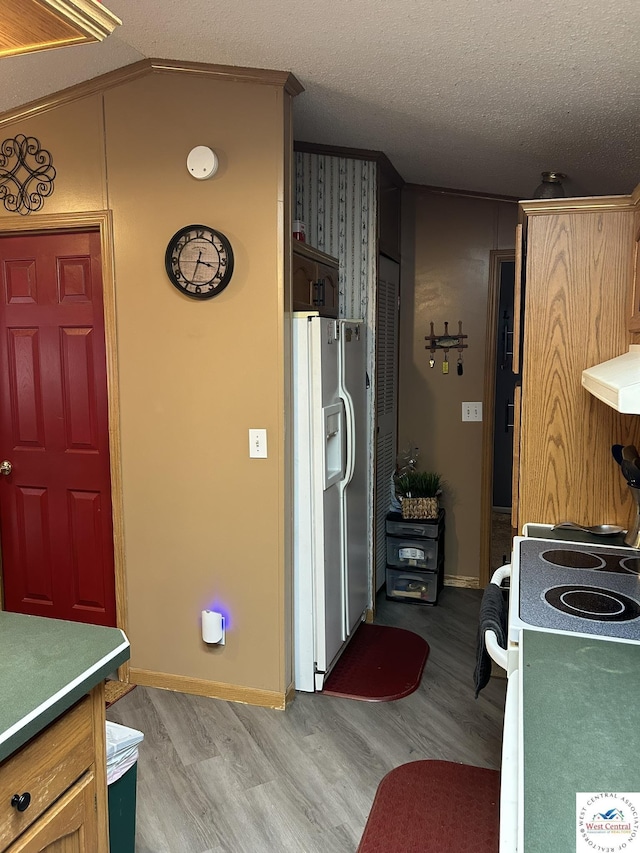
(551, 186)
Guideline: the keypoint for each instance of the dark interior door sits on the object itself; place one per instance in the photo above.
(504, 391)
(55, 502)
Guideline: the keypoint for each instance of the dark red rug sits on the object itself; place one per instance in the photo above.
(379, 664)
(434, 807)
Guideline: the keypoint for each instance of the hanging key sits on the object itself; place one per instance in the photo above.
(445, 364)
(460, 367)
(432, 362)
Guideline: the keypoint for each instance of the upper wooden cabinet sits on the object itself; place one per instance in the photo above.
(314, 280)
(575, 290)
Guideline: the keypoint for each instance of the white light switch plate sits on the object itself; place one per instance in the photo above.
(472, 411)
(258, 443)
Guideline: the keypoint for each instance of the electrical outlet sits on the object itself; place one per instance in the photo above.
(472, 411)
(258, 443)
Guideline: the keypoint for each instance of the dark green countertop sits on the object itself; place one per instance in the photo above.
(581, 729)
(46, 665)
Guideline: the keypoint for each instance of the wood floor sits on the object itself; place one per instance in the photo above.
(221, 777)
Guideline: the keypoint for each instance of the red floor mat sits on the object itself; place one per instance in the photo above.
(379, 664)
(434, 807)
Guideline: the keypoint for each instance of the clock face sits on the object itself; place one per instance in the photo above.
(199, 261)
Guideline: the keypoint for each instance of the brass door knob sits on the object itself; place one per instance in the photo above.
(6, 467)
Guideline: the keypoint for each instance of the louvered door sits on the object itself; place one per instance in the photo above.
(386, 402)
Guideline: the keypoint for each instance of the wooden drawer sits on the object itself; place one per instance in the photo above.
(45, 767)
(69, 826)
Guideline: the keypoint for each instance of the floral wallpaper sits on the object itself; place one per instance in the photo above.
(336, 198)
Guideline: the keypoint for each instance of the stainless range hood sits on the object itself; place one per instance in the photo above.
(617, 382)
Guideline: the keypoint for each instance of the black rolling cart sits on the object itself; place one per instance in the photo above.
(415, 558)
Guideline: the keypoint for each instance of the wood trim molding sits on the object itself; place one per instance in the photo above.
(32, 25)
(102, 220)
(420, 188)
(126, 74)
(290, 695)
(517, 301)
(379, 157)
(496, 257)
(100, 763)
(515, 471)
(230, 73)
(212, 689)
(461, 581)
(588, 204)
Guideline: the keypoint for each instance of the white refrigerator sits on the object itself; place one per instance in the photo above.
(331, 491)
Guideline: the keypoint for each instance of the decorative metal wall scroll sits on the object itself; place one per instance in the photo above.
(446, 342)
(26, 174)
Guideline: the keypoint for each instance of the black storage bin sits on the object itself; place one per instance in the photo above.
(415, 558)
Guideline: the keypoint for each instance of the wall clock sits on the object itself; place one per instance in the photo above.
(199, 261)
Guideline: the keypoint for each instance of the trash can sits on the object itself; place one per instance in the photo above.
(122, 774)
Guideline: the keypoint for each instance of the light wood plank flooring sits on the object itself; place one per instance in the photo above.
(221, 777)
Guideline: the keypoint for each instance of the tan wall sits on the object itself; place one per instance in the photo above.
(203, 523)
(445, 274)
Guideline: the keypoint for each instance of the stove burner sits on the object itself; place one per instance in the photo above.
(573, 559)
(592, 602)
(631, 565)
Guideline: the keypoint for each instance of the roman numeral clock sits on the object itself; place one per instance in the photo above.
(199, 261)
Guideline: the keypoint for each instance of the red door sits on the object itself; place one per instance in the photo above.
(55, 502)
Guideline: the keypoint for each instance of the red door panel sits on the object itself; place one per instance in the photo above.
(55, 506)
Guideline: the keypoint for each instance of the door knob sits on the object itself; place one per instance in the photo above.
(6, 467)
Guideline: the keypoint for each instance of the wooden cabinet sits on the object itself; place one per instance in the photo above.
(634, 319)
(69, 826)
(576, 283)
(314, 281)
(60, 776)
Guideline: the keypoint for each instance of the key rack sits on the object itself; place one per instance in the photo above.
(446, 342)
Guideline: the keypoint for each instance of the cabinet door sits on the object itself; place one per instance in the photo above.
(326, 291)
(576, 315)
(302, 285)
(69, 826)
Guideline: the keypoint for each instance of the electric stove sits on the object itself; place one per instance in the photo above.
(575, 587)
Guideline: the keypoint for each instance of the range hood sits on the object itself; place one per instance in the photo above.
(617, 382)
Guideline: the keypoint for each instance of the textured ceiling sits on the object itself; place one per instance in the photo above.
(473, 94)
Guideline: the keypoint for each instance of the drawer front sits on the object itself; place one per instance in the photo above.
(421, 588)
(412, 553)
(415, 529)
(45, 767)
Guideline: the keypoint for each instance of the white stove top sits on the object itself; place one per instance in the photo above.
(588, 589)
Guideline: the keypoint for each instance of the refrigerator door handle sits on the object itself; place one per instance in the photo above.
(349, 469)
(350, 431)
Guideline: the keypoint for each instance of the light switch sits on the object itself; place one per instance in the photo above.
(472, 411)
(258, 443)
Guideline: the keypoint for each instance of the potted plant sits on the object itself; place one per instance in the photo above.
(419, 491)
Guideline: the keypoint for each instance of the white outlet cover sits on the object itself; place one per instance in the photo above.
(202, 162)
